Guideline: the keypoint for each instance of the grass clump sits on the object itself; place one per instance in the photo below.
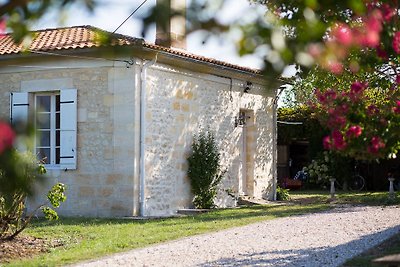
(282, 193)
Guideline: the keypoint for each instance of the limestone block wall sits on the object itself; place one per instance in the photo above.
(179, 104)
(103, 184)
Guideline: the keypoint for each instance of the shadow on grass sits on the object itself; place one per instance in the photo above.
(218, 215)
(301, 203)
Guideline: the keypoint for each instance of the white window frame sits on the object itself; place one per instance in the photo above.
(53, 130)
(23, 104)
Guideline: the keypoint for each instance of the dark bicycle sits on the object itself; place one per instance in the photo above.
(357, 182)
(394, 173)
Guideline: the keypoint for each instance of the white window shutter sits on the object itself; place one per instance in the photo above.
(68, 128)
(19, 110)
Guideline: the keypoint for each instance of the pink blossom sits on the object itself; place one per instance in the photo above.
(358, 87)
(340, 121)
(396, 42)
(381, 53)
(375, 145)
(374, 22)
(335, 67)
(369, 35)
(336, 120)
(343, 34)
(397, 108)
(326, 97)
(330, 94)
(344, 108)
(371, 5)
(371, 39)
(387, 12)
(315, 50)
(354, 131)
(321, 97)
(327, 142)
(398, 79)
(338, 140)
(7, 136)
(353, 97)
(3, 26)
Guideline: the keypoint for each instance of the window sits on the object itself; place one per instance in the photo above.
(47, 125)
(54, 115)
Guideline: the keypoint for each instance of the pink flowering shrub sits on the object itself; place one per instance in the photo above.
(3, 27)
(354, 131)
(19, 172)
(396, 42)
(372, 30)
(363, 121)
(361, 106)
(7, 136)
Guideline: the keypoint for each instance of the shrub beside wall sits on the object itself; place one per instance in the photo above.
(204, 170)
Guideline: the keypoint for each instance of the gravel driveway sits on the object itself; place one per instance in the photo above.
(321, 239)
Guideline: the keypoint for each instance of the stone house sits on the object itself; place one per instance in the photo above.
(115, 121)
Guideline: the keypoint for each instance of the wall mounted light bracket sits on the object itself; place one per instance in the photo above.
(247, 87)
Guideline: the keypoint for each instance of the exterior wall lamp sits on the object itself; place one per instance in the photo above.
(247, 87)
(241, 119)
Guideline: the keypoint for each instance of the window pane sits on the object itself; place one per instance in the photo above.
(43, 103)
(43, 121)
(44, 155)
(57, 155)
(57, 102)
(58, 120)
(43, 138)
(57, 137)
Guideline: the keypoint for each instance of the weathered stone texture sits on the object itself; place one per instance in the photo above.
(102, 185)
(180, 106)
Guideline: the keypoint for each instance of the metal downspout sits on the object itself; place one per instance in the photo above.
(275, 141)
(142, 171)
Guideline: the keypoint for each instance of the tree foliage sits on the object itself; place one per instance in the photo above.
(18, 15)
(19, 172)
(204, 170)
(354, 88)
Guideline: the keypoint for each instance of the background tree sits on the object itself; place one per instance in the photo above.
(348, 52)
(18, 15)
(355, 46)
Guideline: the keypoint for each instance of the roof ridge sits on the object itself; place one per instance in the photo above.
(60, 28)
(50, 39)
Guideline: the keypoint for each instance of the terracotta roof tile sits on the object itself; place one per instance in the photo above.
(78, 37)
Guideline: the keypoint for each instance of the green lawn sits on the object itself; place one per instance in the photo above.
(391, 246)
(361, 198)
(84, 239)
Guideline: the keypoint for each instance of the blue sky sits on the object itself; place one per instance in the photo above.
(109, 14)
